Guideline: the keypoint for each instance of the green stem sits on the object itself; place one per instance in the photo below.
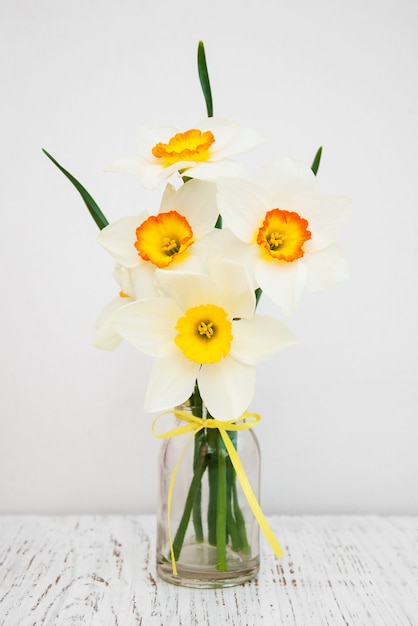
(212, 439)
(197, 503)
(232, 529)
(194, 496)
(221, 514)
(190, 500)
(199, 446)
(239, 519)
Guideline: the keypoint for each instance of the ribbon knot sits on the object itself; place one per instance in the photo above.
(194, 424)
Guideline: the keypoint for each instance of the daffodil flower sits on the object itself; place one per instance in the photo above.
(201, 152)
(291, 228)
(168, 240)
(202, 328)
(105, 336)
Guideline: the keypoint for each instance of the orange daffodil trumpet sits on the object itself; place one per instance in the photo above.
(202, 151)
(289, 228)
(202, 328)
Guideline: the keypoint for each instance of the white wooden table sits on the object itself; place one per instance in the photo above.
(99, 570)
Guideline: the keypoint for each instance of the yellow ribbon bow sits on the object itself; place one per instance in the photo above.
(195, 424)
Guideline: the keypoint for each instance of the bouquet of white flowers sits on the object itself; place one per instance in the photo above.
(190, 276)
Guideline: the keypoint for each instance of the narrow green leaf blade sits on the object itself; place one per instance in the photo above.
(94, 210)
(316, 161)
(204, 78)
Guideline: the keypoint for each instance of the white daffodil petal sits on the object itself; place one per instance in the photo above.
(148, 136)
(259, 339)
(235, 292)
(152, 174)
(148, 324)
(148, 170)
(168, 199)
(326, 268)
(188, 289)
(212, 170)
(123, 277)
(282, 282)
(284, 177)
(119, 237)
(196, 201)
(224, 245)
(227, 388)
(244, 140)
(126, 165)
(143, 281)
(191, 260)
(243, 206)
(327, 216)
(231, 138)
(105, 336)
(171, 381)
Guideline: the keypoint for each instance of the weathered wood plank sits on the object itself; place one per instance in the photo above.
(99, 570)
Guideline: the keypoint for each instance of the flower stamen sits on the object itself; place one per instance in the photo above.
(206, 329)
(276, 240)
(170, 246)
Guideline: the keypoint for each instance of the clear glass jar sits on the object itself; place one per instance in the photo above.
(215, 536)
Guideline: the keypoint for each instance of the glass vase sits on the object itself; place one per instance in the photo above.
(209, 538)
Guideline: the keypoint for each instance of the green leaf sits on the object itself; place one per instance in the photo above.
(95, 212)
(316, 161)
(204, 77)
(258, 294)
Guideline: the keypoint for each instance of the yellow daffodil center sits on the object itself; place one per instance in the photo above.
(204, 333)
(163, 237)
(283, 234)
(192, 145)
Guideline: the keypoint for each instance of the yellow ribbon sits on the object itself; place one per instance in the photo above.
(195, 424)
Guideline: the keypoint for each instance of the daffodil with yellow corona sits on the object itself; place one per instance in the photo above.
(202, 328)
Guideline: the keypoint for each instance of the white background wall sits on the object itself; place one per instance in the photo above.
(339, 429)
